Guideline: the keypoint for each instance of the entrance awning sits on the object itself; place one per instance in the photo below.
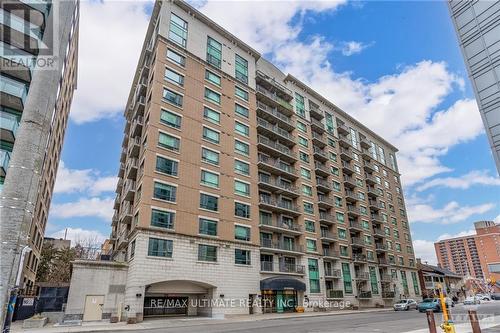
(282, 283)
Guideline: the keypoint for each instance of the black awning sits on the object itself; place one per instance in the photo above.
(282, 283)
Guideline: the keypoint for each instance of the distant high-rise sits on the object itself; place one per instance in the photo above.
(477, 24)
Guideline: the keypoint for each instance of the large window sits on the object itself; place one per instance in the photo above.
(300, 107)
(209, 178)
(172, 97)
(178, 30)
(168, 141)
(213, 78)
(313, 275)
(209, 202)
(160, 248)
(241, 147)
(241, 233)
(242, 257)
(167, 166)
(176, 58)
(212, 96)
(165, 192)
(207, 227)
(170, 119)
(211, 135)
(214, 52)
(414, 278)
(209, 156)
(211, 115)
(346, 275)
(241, 69)
(241, 188)
(373, 280)
(241, 128)
(311, 245)
(174, 77)
(241, 93)
(207, 253)
(162, 219)
(242, 210)
(241, 110)
(241, 167)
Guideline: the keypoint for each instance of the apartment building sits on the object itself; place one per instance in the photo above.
(476, 255)
(38, 54)
(477, 24)
(238, 181)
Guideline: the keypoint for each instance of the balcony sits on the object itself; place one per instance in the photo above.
(372, 191)
(388, 294)
(346, 154)
(353, 211)
(359, 258)
(115, 219)
(271, 84)
(275, 132)
(334, 294)
(326, 218)
(281, 226)
(4, 162)
(344, 141)
(273, 99)
(385, 278)
(131, 168)
(364, 143)
(342, 129)
(116, 204)
(134, 147)
(366, 154)
(347, 168)
(281, 267)
(349, 181)
(330, 253)
(370, 179)
(319, 154)
(276, 166)
(139, 106)
(278, 246)
(369, 167)
(277, 186)
(364, 276)
(315, 112)
(8, 127)
(383, 262)
(319, 139)
(325, 202)
(123, 155)
(350, 196)
(276, 148)
(273, 115)
(327, 236)
(374, 204)
(376, 218)
(321, 169)
(357, 242)
(121, 170)
(377, 232)
(129, 190)
(119, 185)
(381, 247)
(317, 126)
(279, 206)
(13, 93)
(136, 126)
(332, 273)
(126, 212)
(365, 295)
(356, 226)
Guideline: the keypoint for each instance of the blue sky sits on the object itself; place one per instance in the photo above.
(395, 66)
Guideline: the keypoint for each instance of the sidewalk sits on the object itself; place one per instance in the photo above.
(180, 322)
(488, 325)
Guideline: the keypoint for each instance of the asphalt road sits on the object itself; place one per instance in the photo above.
(381, 322)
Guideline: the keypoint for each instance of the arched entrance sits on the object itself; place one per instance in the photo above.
(281, 294)
(178, 298)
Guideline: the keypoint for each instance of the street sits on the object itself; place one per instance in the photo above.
(387, 321)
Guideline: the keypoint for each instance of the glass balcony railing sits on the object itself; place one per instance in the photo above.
(13, 87)
(9, 122)
(4, 160)
(18, 24)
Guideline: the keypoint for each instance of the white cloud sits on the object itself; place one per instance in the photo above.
(353, 47)
(101, 208)
(78, 235)
(497, 219)
(111, 36)
(475, 177)
(83, 180)
(460, 234)
(450, 213)
(425, 250)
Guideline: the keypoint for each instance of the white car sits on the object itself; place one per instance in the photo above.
(483, 297)
(405, 305)
(471, 300)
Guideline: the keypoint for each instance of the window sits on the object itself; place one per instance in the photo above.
(300, 108)
(174, 77)
(167, 166)
(363, 210)
(176, 57)
(241, 233)
(308, 208)
(132, 249)
(160, 248)
(242, 210)
(162, 219)
(241, 188)
(241, 147)
(241, 110)
(242, 257)
(241, 69)
(333, 157)
(331, 142)
(306, 174)
(340, 217)
(309, 226)
(241, 167)
(209, 202)
(398, 247)
(414, 278)
(241, 93)
(207, 253)
(170, 119)
(404, 281)
(164, 192)
(344, 251)
(373, 280)
(211, 135)
(336, 186)
(178, 30)
(303, 157)
(313, 275)
(381, 155)
(330, 127)
(209, 178)
(303, 142)
(241, 128)
(172, 97)
(307, 190)
(311, 245)
(338, 202)
(212, 96)
(302, 127)
(357, 169)
(213, 78)
(365, 225)
(207, 227)
(346, 275)
(342, 233)
(367, 239)
(209, 156)
(369, 255)
(211, 115)
(214, 52)
(334, 171)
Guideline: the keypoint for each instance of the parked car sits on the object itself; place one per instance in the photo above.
(495, 296)
(434, 304)
(483, 297)
(405, 305)
(471, 300)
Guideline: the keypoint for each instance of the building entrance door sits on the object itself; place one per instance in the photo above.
(93, 307)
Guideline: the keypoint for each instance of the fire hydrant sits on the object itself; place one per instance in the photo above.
(448, 327)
